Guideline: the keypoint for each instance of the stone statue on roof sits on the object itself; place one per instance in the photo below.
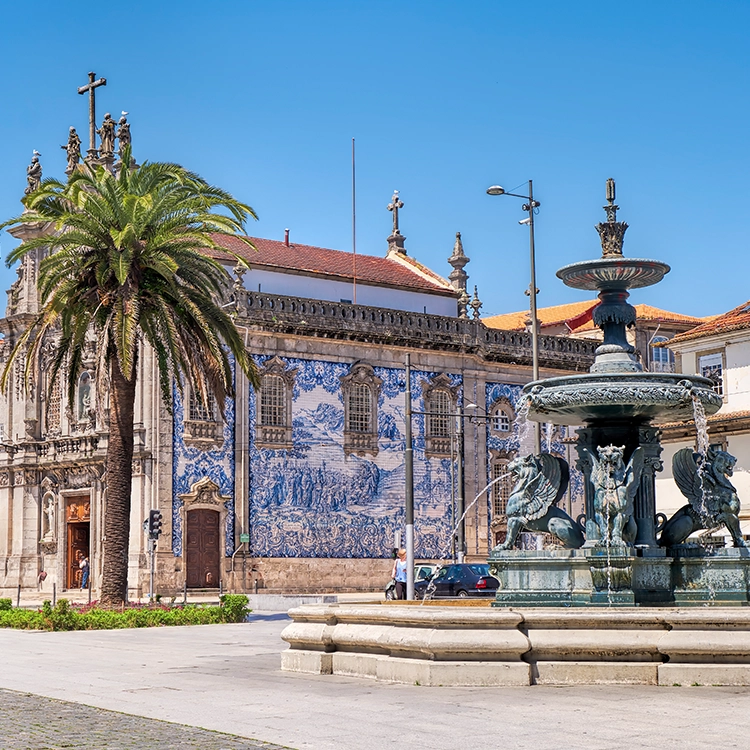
(72, 150)
(33, 174)
(123, 133)
(107, 134)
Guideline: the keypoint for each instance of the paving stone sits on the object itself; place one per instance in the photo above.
(30, 722)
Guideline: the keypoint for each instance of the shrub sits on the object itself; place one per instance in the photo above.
(5, 605)
(63, 616)
(234, 607)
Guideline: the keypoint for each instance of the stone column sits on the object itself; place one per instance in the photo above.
(645, 499)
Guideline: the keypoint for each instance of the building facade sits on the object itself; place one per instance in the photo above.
(302, 486)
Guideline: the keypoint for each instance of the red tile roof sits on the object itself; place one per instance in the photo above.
(578, 316)
(405, 273)
(734, 320)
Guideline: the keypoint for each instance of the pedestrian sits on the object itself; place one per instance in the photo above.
(84, 566)
(399, 574)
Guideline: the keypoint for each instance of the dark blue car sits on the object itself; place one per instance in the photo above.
(461, 580)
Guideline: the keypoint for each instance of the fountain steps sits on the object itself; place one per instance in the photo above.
(483, 646)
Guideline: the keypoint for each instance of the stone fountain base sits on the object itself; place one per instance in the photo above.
(490, 646)
(687, 575)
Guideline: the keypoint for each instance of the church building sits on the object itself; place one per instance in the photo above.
(301, 488)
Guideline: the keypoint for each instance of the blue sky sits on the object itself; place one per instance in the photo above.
(444, 99)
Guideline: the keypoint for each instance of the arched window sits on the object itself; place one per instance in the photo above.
(661, 358)
(502, 416)
(202, 427)
(360, 408)
(202, 411)
(272, 401)
(440, 406)
(439, 414)
(360, 390)
(274, 420)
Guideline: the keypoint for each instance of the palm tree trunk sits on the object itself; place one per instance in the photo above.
(119, 480)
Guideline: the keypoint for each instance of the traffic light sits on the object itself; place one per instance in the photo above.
(154, 524)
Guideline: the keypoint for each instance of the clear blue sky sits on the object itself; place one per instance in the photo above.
(444, 99)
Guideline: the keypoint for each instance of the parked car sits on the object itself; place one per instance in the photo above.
(461, 580)
(422, 572)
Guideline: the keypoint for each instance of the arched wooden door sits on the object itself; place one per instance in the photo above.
(203, 549)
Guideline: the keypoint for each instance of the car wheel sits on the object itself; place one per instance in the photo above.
(390, 595)
(463, 594)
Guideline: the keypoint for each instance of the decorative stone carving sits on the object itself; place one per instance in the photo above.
(72, 150)
(713, 499)
(205, 492)
(107, 134)
(77, 477)
(78, 509)
(361, 389)
(615, 485)
(540, 483)
(33, 174)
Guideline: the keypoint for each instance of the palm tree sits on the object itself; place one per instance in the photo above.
(125, 264)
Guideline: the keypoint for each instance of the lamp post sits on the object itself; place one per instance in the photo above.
(532, 291)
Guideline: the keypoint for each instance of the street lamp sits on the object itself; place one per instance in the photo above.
(532, 290)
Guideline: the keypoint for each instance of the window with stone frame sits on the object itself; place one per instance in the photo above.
(361, 391)
(53, 412)
(202, 427)
(711, 366)
(274, 418)
(440, 407)
(502, 416)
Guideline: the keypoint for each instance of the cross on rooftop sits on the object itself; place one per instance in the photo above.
(394, 206)
(91, 87)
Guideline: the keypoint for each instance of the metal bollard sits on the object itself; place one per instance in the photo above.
(184, 593)
(54, 594)
(18, 596)
(89, 592)
(221, 587)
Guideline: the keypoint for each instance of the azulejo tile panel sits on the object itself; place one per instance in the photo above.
(315, 501)
(189, 465)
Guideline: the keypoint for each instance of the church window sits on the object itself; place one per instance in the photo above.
(439, 414)
(274, 421)
(202, 428)
(711, 366)
(200, 410)
(360, 408)
(501, 417)
(440, 406)
(360, 391)
(54, 404)
(501, 489)
(272, 401)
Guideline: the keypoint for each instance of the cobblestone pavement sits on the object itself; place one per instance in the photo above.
(30, 722)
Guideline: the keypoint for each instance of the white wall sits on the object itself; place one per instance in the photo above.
(296, 285)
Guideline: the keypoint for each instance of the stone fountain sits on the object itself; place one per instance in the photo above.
(607, 605)
(621, 562)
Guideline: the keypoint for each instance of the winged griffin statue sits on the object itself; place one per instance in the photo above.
(615, 485)
(540, 483)
(713, 498)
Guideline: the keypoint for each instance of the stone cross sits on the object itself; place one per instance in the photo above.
(394, 206)
(91, 87)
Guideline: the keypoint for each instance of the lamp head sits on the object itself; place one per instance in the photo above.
(495, 190)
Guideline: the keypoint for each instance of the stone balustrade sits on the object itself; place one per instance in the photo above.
(301, 316)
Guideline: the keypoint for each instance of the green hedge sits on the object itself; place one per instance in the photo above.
(63, 616)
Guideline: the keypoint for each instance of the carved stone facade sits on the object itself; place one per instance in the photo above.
(302, 486)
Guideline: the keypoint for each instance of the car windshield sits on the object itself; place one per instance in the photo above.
(480, 570)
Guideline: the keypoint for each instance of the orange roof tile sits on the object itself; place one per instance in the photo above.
(404, 273)
(734, 320)
(577, 316)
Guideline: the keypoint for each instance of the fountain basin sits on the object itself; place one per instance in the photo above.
(471, 646)
(613, 273)
(641, 397)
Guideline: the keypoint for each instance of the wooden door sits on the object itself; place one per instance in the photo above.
(78, 546)
(203, 551)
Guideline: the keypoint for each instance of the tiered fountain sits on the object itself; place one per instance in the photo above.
(620, 562)
(576, 614)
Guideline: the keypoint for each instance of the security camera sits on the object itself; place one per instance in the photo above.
(527, 220)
